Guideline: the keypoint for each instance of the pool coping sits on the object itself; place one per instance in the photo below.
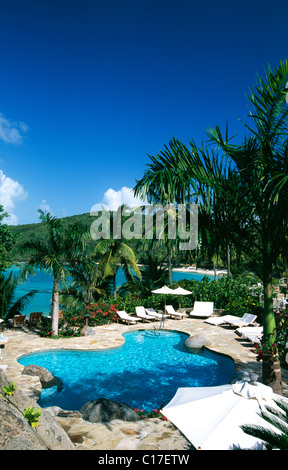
(221, 339)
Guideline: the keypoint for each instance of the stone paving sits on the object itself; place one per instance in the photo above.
(152, 434)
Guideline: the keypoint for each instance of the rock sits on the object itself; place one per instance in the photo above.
(103, 410)
(46, 378)
(197, 342)
(87, 331)
(17, 434)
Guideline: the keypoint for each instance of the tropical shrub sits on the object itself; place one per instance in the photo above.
(240, 306)
(280, 345)
(101, 313)
(230, 294)
(144, 414)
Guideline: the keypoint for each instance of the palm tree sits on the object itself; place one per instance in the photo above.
(87, 284)
(253, 180)
(277, 417)
(259, 161)
(180, 175)
(10, 305)
(52, 255)
(114, 253)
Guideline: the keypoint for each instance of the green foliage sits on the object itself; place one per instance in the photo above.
(155, 413)
(229, 294)
(10, 305)
(281, 340)
(74, 318)
(7, 241)
(8, 390)
(32, 416)
(277, 417)
(37, 231)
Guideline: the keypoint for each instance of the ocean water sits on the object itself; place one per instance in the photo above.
(145, 372)
(43, 283)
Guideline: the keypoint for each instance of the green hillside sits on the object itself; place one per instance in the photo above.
(37, 231)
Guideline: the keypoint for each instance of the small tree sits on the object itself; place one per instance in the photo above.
(7, 240)
(10, 304)
(52, 256)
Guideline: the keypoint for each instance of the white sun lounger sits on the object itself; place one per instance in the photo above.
(172, 313)
(127, 318)
(252, 333)
(152, 312)
(233, 320)
(202, 309)
(140, 312)
(250, 330)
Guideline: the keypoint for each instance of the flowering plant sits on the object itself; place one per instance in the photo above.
(144, 414)
(261, 349)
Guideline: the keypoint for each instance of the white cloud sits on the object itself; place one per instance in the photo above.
(113, 199)
(12, 132)
(10, 192)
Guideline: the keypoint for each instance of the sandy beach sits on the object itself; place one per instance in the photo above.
(209, 272)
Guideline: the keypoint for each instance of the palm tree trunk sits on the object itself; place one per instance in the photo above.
(55, 307)
(114, 287)
(228, 261)
(271, 370)
(215, 271)
(169, 266)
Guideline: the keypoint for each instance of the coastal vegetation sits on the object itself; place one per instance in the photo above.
(240, 190)
(246, 184)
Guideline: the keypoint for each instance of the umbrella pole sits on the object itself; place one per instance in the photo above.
(162, 319)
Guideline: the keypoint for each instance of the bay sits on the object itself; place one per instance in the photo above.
(43, 283)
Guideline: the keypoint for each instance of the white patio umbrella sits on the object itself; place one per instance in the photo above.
(164, 291)
(181, 291)
(210, 417)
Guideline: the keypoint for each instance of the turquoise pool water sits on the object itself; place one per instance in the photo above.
(145, 372)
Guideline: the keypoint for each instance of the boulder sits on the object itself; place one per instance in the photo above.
(103, 410)
(87, 331)
(46, 378)
(15, 431)
(197, 342)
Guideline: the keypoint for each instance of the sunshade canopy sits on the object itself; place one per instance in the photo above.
(210, 417)
(163, 290)
(181, 291)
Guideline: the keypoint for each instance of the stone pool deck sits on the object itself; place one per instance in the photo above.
(152, 434)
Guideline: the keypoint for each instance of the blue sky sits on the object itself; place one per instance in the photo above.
(89, 88)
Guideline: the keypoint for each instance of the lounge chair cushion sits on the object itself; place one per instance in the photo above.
(250, 330)
(171, 312)
(202, 309)
(127, 318)
(233, 320)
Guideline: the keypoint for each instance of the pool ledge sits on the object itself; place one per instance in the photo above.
(222, 340)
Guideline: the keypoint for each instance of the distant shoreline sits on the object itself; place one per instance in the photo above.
(209, 272)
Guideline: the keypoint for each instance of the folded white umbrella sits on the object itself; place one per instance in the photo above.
(210, 417)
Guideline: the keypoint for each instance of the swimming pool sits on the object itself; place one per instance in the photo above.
(145, 372)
